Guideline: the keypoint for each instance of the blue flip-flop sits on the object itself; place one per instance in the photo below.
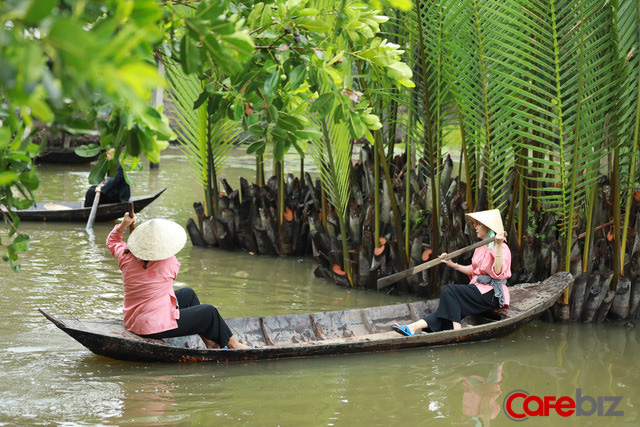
(402, 330)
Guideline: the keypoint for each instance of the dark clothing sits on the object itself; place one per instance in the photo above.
(196, 318)
(115, 190)
(458, 301)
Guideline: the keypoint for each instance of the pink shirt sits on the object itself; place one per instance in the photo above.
(482, 264)
(149, 304)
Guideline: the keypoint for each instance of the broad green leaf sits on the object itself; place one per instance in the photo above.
(274, 114)
(8, 177)
(253, 147)
(5, 137)
(88, 150)
(324, 104)
(68, 36)
(400, 72)
(38, 10)
(20, 243)
(356, 127)
(309, 133)
(289, 123)
(238, 110)
(314, 25)
(30, 180)
(296, 77)
(403, 5)
(371, 121)
(271, 84)
(99, 171)
(189, 54)
(40, 109)
(241, 42)
(279, 145)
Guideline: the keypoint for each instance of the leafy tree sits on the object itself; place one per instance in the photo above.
(85, 66)
(295, 64)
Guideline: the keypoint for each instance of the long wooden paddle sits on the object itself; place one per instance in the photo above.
(131, 226)
(383, 282)
(94, 209)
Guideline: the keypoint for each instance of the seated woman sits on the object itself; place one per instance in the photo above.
(489, 270)
(114, 190)
(151, 307)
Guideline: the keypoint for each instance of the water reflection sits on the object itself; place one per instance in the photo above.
(480, 396)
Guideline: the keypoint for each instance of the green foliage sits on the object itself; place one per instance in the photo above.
(544, 90)
(195, 140)
(332, 156)
(301, 46)
(79, 66)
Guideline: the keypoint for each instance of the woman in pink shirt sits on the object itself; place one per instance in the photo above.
(151, 307)
(489, 270)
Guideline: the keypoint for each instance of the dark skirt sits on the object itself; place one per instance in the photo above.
(456, 302)
(196, 318)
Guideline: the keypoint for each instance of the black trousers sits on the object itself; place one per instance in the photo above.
(196, 318)
(456, 302)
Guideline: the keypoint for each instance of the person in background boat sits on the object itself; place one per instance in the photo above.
(151, 306)
(113, 190)
(489, 270)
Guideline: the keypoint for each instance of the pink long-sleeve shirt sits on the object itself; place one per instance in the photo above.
(149, 304)
(482, 263)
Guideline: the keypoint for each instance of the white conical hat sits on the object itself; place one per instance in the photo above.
(157, 239)
(490, 218)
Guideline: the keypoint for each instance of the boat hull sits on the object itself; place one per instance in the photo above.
(76, 212)
(315, 334)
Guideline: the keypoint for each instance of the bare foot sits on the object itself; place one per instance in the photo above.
(209, 343)
(234, 343)
(456, 326)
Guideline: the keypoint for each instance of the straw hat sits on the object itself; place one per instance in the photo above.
(156, 239)
(490, 218)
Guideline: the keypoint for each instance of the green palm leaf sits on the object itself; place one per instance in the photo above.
(332, 156)
(196, 133)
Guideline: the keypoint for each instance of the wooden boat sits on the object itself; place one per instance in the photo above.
(333, 332)
(64, 157)
(76, 212)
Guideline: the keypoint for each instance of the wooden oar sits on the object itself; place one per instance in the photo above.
(131, 213)
(383, 282)
(94, 209)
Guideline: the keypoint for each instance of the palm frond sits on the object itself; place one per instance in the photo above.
(191, 126)
(332, 156)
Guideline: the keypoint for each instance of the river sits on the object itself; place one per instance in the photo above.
(48, 378)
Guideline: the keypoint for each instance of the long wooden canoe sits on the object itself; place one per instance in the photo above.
(332, 332)
(76, 212)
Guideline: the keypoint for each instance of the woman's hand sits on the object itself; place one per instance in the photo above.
(447, 261)
(127, 220)
(498, 262)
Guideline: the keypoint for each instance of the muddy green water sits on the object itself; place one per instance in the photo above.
(48, 378)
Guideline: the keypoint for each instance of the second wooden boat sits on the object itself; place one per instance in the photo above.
(76, 212)
(323, 333)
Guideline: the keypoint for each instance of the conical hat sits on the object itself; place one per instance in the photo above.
(156, 239)
(490, 218)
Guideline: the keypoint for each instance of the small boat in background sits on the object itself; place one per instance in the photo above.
(68, 157)
(323, 333)
(76, 212)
